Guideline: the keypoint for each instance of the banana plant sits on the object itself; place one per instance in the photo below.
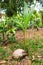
(24, 20)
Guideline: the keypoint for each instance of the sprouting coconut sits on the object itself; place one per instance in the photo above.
(19, 53)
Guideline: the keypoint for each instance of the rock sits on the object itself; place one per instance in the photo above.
(2, 62)
(17, 63)
(27, 58)
(19, 53)
(25, 62)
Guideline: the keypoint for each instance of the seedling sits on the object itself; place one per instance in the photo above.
(24, 20)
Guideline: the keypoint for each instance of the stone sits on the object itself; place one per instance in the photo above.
(19, 53)
(2, 62)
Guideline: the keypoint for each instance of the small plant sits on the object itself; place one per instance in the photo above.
(10, 33)
(24, 20)
(3, 29)
(7, 29)
(36, 20)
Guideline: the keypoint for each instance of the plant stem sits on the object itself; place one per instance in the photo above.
(24, 39)
(3, 37)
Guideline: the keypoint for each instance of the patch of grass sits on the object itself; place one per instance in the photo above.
(37, 62)
(4, 53)
(34, 47)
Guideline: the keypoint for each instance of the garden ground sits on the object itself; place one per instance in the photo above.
(34, 47)
(30, 34)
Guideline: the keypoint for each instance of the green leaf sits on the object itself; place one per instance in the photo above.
(11, 30)
(18, 22)
(27, 15)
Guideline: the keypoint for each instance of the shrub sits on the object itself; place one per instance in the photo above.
(6, 28)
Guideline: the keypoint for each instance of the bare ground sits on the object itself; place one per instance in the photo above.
(29, 34)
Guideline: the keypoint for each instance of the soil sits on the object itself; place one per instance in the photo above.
(30, 33)
(25, 61)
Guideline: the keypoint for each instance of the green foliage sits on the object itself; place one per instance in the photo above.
(10, 7)
(24, 20)
(13, 6)
(7, 29)
(36, 20)
(41, 12)
(29, 18)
